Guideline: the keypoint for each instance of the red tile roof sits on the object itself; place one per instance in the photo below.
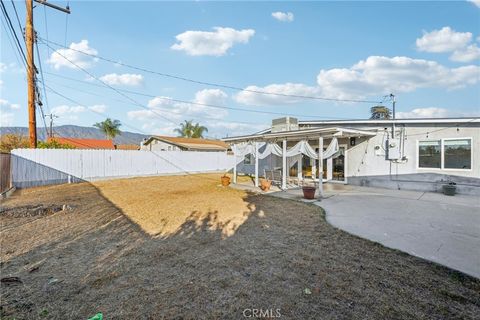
(86, 143)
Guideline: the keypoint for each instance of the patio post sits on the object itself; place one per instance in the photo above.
(256, 164)
(284, 164)
(300, 168)
(234, 163)
(320, 167)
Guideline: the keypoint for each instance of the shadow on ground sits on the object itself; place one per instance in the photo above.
(92, 258)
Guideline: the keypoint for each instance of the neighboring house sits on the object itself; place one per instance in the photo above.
(164, 143)
(86, 143)
(422, 154)
(127, 147)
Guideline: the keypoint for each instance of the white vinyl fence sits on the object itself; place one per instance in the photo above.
(37, 167)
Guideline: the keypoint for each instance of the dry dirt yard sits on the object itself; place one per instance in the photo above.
(186, 248)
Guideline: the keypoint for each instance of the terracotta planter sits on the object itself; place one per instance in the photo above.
(225, 181)
(265, 184)
(309, 192)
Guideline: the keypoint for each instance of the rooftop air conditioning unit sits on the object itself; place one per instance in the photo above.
(284, 124)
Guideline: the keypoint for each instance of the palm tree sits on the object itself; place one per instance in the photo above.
(380, 112)
(188, 130)
(109, 127)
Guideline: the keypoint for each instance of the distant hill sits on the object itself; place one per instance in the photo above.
(70, 131)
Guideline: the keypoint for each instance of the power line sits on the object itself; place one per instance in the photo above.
(160, 109)
(43, 77)
(46, 24)
(211, 84)
(18, 18)
(13, 44)
(176, 165)
(114, 89)
(197, 103)
(12, 30)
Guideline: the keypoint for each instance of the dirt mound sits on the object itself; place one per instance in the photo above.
(32, 210)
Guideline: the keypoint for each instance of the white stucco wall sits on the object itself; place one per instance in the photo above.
(363, 160)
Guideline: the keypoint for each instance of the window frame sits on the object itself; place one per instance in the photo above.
(418, 154)
(471, 154)
(442, 154)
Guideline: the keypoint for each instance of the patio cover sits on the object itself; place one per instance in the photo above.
(250, 144)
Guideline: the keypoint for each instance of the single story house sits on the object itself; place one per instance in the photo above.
(415, 154)
(86, 143)
(165, 143)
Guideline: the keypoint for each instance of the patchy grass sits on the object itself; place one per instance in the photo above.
(183, 247)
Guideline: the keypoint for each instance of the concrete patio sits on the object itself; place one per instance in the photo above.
(432, 226)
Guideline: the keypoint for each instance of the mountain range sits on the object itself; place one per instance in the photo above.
(71, 131)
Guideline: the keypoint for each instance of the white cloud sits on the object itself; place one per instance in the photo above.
(5, 104)
(424, 113)
(475, 2)
(208, 43)
(72, 54)
(211, 96)
(6, 119)
(66, 110)
(448, 40)
(126, 79)
(175, 111)
(375, 76)
(162, 109)
(470, 53)
(283, 16)
(100, 108)
(378, 75)
(434, 112)
(72, 112)
(252, 98)
(3, 67)
(443, 40)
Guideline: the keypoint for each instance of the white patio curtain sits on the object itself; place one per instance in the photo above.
(271, 148)
(241, 150)
(302, 147)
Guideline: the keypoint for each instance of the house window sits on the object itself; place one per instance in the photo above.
(457, 153)
(169, 148)
(248, 159)
(429, 154)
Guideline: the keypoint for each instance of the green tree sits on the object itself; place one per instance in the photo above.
(380, 113)
(53, 144)
(111, 128)
(189, 130)
(12, 141)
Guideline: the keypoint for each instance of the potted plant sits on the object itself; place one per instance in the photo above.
(265, 184)
(225, 180)
(309, 192)
(450, 188)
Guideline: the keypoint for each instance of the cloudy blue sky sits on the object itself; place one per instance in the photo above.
(426, 53)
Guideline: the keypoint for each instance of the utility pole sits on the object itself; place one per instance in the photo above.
(29, 34)
(51, 116)
(29, 42)
(392, 96)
